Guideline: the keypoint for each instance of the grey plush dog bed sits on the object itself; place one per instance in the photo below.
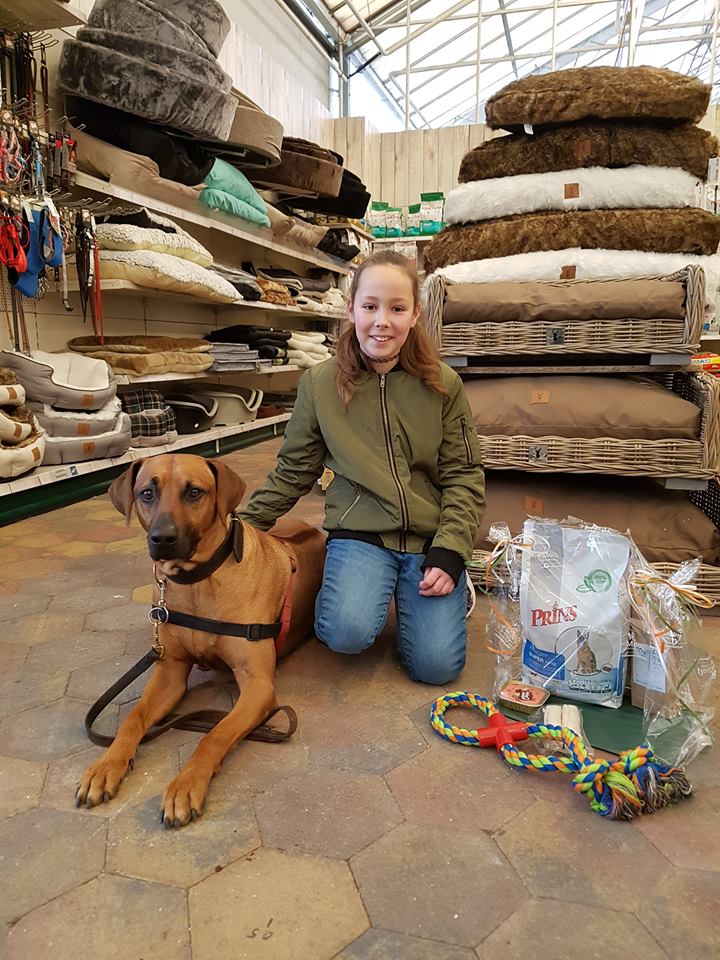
(155, 59)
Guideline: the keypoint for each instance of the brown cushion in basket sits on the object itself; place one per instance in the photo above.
(609, 93)
(564, 300)
(590, 145)
(624, 408)
(664, 524)
(670, 230)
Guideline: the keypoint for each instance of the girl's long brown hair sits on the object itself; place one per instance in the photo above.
(418, 355)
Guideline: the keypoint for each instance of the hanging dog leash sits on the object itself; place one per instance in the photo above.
(638, 782)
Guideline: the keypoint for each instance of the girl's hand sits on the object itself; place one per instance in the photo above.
(436, 583)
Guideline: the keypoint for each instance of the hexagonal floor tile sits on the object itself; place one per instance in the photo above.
(384, 945)
(15, 605)
(46, 853)
(87, 683)
(75, 652)
(156, 764)
(417, 882)
(53, 730)
(90, 600)
(459, 787)
(704, 771)
(28, 571)
(140, 846)
(692, 839)
(681, 912)
(582, 857)
(128, 616)
(275, 906)
(110, 917)
(560, 931)
(12, 656)
(371, 742)
(21, 783)
(41, 627)
(326, 812)
(26, 688)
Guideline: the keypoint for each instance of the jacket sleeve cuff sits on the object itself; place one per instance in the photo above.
(448, 560)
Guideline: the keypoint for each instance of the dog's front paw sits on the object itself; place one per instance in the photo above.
(101, 781)
(184, 799)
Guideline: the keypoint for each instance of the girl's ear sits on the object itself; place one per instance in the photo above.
(416, 314)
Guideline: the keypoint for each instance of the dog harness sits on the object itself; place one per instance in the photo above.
(203, 720)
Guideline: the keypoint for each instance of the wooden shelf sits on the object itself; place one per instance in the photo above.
(347, 225)
(124, 380)
(133, 289)
(213, 220)
(18, 15)
(422, 239)
(43, 476)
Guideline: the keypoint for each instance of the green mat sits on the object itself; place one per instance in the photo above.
(605, 728)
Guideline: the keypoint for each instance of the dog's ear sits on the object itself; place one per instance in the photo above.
(230, 487)
(121, 490)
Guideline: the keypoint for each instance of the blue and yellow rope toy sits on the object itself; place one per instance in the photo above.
(637, 782)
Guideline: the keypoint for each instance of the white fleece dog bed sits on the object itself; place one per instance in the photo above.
(65, 380)
(22, 457)
(126, 236)
(76, 449)
(575, 263)
(77, 423)
(160, 271)
(589, 188)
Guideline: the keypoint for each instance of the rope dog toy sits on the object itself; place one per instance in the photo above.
(637, 782)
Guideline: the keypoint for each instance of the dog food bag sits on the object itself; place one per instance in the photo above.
(574, 610)
(378, 218)
(431, 212)
(393, 222)
(412, 220)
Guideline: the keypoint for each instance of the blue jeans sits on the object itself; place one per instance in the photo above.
(352, 606)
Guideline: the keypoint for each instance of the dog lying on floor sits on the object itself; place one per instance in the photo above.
(234, 574)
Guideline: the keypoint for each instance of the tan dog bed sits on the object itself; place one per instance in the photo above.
(590, 145)
(608, 93)
(687, 230)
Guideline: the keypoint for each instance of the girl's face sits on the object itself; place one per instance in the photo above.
(383, 311)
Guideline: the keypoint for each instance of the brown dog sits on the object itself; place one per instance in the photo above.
(183, 502)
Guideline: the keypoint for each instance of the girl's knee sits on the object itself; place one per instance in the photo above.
(343, 635)
(436, 667)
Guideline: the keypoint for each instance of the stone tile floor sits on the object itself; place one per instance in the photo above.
(364, 838)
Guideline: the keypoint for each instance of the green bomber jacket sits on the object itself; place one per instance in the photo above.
(405, 463)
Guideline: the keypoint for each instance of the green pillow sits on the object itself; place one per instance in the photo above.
(219, 200)
(227, 178)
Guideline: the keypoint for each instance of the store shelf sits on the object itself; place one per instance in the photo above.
(124, 380)
(128, 288)
(38, 15)
(213, 220)
(49, 475)
(347, 225)
(715, 337)
(424, 239)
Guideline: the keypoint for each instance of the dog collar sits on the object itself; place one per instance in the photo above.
(233, 543)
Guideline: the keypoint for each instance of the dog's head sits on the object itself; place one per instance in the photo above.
(177, 498)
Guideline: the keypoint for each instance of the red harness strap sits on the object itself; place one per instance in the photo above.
(287, 606)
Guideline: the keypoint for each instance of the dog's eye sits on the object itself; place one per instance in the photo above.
(146, 495)
(194, 493)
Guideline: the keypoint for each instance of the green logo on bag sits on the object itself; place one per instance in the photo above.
(597, 581)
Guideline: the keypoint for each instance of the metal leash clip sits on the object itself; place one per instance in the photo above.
(157, 614)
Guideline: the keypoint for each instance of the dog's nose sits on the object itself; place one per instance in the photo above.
(165, 536)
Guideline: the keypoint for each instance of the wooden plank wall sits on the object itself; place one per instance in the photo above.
(398, 167)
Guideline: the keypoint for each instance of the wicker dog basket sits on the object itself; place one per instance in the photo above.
(697, 459)
(594, 337)
(708, 578)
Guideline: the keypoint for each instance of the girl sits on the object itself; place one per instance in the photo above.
(392, 424)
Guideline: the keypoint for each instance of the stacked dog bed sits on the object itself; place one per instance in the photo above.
(153, 251)
(152, 420)
(139, 356)
(579, 237)
(22, 440)
(302, 348)
(73, 400)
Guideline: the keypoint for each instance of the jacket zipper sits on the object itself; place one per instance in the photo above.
(404, 513)
(468, 452)
(353, 504)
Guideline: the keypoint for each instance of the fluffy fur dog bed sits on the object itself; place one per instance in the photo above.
(590, 145)
(610, 93)
(154, 60)
(589, 188)
(313, 171)
(691, 230)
